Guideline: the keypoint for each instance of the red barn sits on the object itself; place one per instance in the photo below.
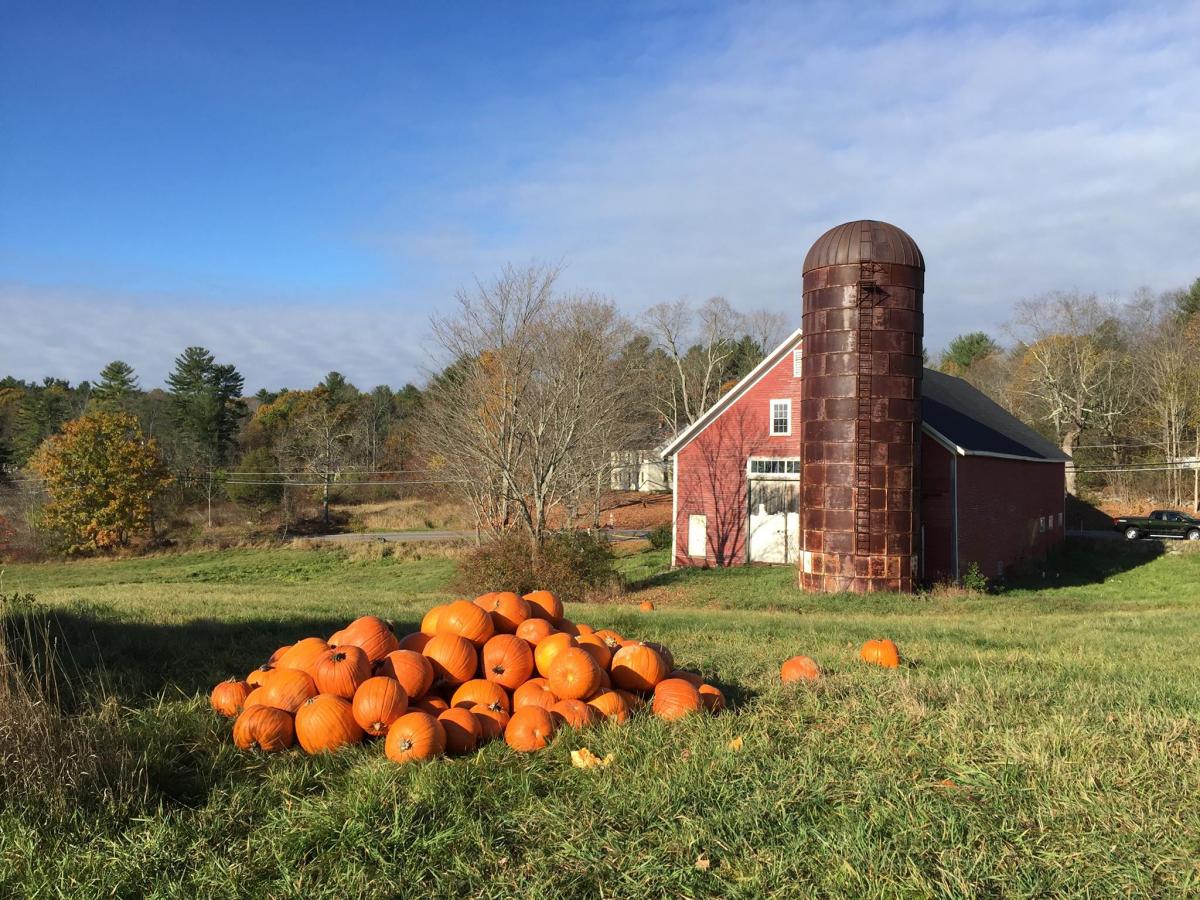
(991, 488)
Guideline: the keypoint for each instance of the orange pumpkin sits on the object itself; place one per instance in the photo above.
(462, 730)
(379, 702)
(341, 670)
(259, 675)
(415, 641)
(545, 652)
(573, 713)
(611, 638)
(302, 655)
(264, 728)
(573, 674)
(286, 689)
(480, 692)
(413, 737)
(544, 605)
(567, 626)
(690, 677)
(534, 692)
(507, 610)
(453, 658)
(581, 629)
(605, 681)
(325, 723)
(411, 669)
(535, 630)
(638, 667)
(610, 705)
(492, 722)
(507, 660)
(256, 697)
(712, 698)
(530, 728)
(429, 624)
(882, 652)
(465, 619)
(432, 704)
(597, 648)
(228, 697)
(274, 657)
(372, 635)
(799, 668)
(675, 698)
(646, 606)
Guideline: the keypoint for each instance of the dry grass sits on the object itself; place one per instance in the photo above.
(407, 515)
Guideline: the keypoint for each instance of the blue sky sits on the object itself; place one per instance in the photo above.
(299, 186)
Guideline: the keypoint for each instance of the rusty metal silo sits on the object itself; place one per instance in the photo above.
(861, 409)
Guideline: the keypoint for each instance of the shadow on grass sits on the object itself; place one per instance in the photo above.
(136, 660)
(1082, 561)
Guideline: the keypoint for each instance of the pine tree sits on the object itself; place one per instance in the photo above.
(118, 385)
(206, 404)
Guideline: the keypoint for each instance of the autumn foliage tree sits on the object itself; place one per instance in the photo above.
(102, 476)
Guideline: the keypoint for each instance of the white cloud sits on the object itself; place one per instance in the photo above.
(273, 344)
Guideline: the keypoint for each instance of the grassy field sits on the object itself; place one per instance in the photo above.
(1043, 741)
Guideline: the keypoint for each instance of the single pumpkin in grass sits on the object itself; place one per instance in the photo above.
(530, 728)
(378, 702)
(228, 697)
(462, 730)
(414, 737)
(880, 652)
(799, 668)
(646, 606)
(264, 728)
(507, 660)
(325, 723)
(712, 697)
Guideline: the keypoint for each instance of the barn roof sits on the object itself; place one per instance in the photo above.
(960, 417)
(971, 423)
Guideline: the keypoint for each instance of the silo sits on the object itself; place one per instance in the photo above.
(861, 409)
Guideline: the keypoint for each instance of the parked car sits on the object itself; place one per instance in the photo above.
(1162, 523)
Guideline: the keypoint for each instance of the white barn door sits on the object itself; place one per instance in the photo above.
(774, 532)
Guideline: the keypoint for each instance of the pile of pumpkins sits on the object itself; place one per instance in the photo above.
(500, 666)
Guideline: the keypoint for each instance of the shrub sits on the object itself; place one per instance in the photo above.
(974, 579)
(263, 485)
(572, 565)
(660, 537)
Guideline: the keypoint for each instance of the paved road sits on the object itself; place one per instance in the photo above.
(403, 537)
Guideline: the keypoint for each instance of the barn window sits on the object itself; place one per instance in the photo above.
(797, 366)
(781, 417)
(774, 466)
(698, 536)
(1042, 524)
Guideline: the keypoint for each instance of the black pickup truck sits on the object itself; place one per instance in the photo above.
(1162, 523)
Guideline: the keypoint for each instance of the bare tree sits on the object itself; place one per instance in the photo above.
(322, 437)
(697, 344)
(1071, 373)
(533, 401)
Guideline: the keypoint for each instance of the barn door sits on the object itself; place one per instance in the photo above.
(774, 520)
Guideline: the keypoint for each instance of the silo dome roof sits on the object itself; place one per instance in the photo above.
(864, 241)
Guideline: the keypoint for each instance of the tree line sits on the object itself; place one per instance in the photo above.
(534, 390)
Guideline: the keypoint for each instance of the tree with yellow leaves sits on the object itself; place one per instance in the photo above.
(102, 476)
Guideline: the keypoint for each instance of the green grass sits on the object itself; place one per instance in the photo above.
(1043, 741)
